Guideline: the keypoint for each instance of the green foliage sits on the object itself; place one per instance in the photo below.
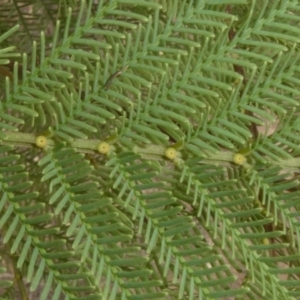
(149, 149)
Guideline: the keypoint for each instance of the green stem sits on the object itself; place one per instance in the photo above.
(155, 151)
(17, 275)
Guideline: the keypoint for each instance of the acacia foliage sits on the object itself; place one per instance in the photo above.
(137, 157)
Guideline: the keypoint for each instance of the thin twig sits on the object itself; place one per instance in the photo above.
(113, 76)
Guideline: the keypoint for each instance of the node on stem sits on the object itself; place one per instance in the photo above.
(239, 159)
(171, 153)
(41, 141)
(104, 147)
